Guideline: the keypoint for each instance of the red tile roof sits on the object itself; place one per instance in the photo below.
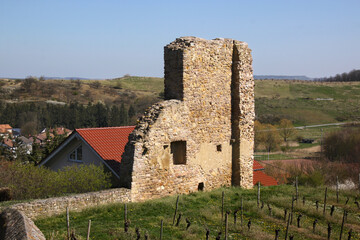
(58, 130)
(260, 176)
(264, 179)
(108, 142)
(257, 166)
(5, 128)
(8, 142)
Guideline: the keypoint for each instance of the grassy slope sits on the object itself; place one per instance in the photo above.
(296, 100)
(204, 211)
(275, 99)
(83, 91)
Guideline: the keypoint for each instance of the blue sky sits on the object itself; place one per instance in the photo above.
(111, 38)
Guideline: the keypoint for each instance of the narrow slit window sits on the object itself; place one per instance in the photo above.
(218, 148)
(178, 149)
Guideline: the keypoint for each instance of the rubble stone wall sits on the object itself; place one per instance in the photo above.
(199, 76)
(15, 225)
(57, 205)
(243, 115)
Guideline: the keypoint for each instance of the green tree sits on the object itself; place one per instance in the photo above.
(267, 136)
(114, 116)
(131, 113)
(101, 115)
(286, 129)
(123, 115)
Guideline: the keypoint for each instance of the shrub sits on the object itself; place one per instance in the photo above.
(5, 194)
(313, 173)
(314, 179)
(27, 181)
(343, 145)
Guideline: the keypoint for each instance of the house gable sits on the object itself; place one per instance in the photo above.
(62, 157)
(99, 146)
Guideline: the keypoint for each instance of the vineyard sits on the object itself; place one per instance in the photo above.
(279, 212)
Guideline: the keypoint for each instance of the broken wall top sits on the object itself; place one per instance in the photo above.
(195, 65)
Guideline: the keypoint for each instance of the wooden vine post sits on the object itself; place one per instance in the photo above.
(337, 189)
(241, 211)
(88, 232)
(287, 225)
(342, 224)
(292, 208)
(258, 195)
(161, 228)
(297, 189)
(226, 225)
(68, 223)
(176, 208)
(222, 206)
(125, 212)
(325, 201)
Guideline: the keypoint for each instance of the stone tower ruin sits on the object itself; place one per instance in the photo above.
(202, 135)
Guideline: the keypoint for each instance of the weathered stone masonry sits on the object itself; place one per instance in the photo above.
(202, 134)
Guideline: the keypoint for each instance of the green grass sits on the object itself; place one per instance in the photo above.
(274, 156)
(204, 211)
(150, 84)
(296, 100)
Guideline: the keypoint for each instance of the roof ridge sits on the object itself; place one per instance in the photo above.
(103, 128)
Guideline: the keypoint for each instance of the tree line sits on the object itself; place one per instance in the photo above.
(32, 117)
(352, 76)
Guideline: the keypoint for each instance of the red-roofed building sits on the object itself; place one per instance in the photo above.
(106, 146)
(5, 129)
(260, 176)
(91, 146)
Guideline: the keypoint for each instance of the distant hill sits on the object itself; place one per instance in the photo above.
(68, 78)
(303, 102)
(282, 77)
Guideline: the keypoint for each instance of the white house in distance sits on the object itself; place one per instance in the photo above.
(98, 146)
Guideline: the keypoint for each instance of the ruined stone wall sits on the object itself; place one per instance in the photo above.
(243, 115)
(57, 205)
(198, 79)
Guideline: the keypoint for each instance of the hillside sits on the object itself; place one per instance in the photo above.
(307, 103)
(113, 91)
(203, 210)
(303, 102)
